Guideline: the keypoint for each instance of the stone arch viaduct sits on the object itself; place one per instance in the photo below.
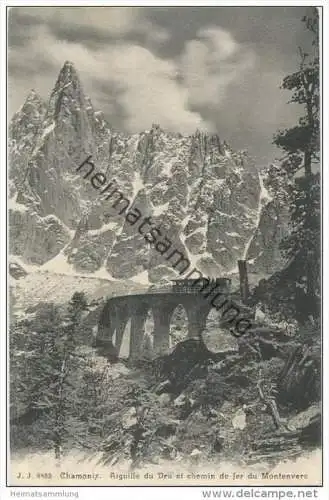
(135, 307)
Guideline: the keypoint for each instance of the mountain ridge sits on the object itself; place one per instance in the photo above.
(211, 201)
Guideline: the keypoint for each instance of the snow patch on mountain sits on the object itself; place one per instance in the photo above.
(261, 199)
(59, 264)
(160, 209)
(14, 205)
(141, 278)
(137, 184)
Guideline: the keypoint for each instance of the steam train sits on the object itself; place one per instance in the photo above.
(195, 285)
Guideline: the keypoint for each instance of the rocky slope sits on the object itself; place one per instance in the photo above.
(208, 200)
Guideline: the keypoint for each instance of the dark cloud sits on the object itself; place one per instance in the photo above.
(88, 36)
(109, 99)
(20, 26)
(22, 21)
(16, 68)
(273, 25)
(253, 107)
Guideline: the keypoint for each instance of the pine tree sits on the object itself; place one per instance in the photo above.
(65, 416)
(302, 147)
(32, 347)
(50, 372)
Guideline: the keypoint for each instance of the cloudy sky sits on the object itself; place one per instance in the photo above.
(218, 69)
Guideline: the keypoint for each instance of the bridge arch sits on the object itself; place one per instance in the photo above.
(147, 346)
(126, 345)
(178, 329)
(215, 336)
(123, 345)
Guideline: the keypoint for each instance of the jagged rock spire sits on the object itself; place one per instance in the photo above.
(68, 74)
(33, 98)
(29, 117)
(32, 104)
(68, 91)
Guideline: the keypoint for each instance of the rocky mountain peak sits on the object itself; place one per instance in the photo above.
(68, 67)
(33, 99)
(29, 115)
(68, 95)
(23, 130)
(208, 143)
(68, 75)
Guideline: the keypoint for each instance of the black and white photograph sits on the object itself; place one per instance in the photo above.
(164, 260)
